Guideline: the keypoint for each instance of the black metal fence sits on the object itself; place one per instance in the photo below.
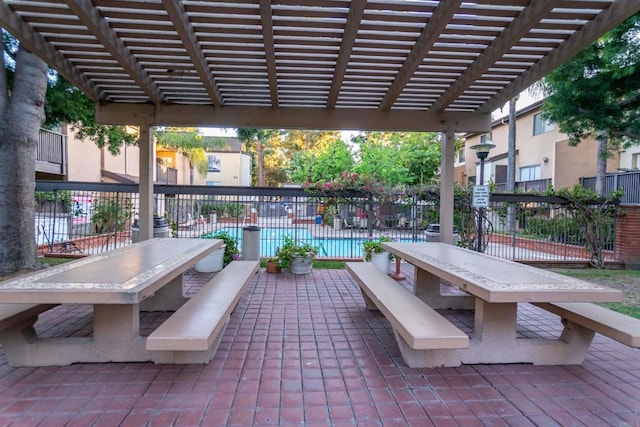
(88, 218)
(628, 182)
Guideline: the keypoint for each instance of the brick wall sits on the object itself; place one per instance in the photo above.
(628, 236)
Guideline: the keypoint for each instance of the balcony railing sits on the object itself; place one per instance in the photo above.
(166, 175)
(51, 155)
(628, 182)
(534, 186)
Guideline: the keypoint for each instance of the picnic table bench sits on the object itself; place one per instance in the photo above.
(193, 332)
(495, 287)
(418, 329)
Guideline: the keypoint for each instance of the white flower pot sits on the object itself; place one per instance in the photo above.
(381, 261)
(212, 263)
(301, 265)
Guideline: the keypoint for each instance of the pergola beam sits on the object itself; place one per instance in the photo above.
(346, 47)
(517, 29)
(294, 118)
(90, 17)
(578, 41)
(37, 45)
(269, 49)
(430, 33)
(183, 27)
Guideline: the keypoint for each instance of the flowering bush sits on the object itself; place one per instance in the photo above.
(374, 246)
(347, 181)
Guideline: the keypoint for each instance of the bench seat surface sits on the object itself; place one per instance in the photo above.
(617, 326)
(11, 314)
(197, 323)
(421, 327)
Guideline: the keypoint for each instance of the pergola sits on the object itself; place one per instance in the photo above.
(412, 65)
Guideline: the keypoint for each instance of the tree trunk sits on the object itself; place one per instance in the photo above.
(601, 165)
(260, 160)
(19, 130)
(511, 163)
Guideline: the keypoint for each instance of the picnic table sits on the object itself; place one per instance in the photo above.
(145, 276)
(493, 288)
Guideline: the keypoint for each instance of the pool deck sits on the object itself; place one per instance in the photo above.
(304, 351)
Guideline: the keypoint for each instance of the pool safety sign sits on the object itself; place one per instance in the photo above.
(480, 196)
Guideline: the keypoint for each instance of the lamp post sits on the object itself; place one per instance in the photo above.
(482, 151)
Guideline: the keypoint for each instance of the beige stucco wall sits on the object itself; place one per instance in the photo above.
(86, 160)
(127, 162)
(235, 169)
(558, 161)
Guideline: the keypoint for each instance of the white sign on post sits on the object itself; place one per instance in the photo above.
(480, 196)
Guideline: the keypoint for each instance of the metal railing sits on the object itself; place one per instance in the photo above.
(86, 218)
(535, 186)
(628, 182)
(166, 175)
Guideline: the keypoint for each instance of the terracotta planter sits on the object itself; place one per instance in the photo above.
(272, 267)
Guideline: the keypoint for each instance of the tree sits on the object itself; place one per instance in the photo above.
(325, 165)
(598, 93)
(190, 142)
(256, 140)
(21, 114)
(26, 104)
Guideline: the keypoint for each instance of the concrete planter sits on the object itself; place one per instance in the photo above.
(381, 260)
(212, 263)
(301, 265)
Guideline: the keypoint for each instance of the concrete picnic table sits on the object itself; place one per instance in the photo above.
(145, 276)
(494, 287)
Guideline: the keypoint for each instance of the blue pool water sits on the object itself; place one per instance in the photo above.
(273, 238)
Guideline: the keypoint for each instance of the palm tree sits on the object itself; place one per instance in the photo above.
(190, 142)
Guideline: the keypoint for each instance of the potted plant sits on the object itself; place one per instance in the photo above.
(221, 257)
(297, 257)
(273, 265)
(376, 254)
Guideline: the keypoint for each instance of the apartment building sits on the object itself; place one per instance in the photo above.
(543, 155)
(64, 156)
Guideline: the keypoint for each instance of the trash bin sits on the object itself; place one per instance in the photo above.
(318, 219)
(432, 234)
(251, 243)
(160, 229)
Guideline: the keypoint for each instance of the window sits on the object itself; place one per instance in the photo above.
(214, 163)
(486, 137)
(529, 173)
(540, 125)
(460, 156)
(635, 161)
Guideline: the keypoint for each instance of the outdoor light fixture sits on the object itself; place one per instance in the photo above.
(482, 151)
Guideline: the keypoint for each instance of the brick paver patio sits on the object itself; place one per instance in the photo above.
(304, 351)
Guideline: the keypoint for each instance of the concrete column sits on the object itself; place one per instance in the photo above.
(147, 154)
(446, 186)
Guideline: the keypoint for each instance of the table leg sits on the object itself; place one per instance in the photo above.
(116, 338)
(495, 341)
(427, 288)
(167, 298)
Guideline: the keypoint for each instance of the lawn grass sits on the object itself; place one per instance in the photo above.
(630, 306)
(55, 261)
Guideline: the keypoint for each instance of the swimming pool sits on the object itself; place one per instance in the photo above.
(336, 247)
